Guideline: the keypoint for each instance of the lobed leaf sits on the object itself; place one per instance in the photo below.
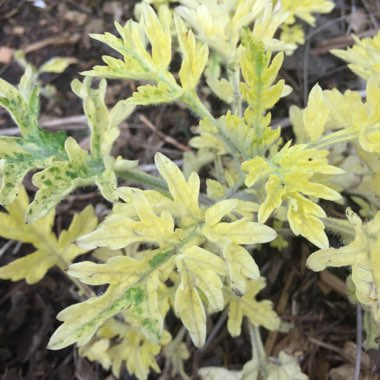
(242, 231)
(185, 193)
(304, 9)
(361, 255)
(287, 175)
(149, 94)
(241, 267)
(36, 148)
(363, 57)
(188, 305)
(259, 313)
(194, 56)
(50, 250)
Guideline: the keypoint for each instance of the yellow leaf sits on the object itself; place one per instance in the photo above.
(257, 167)
(185, 193)
(275, 190)
(159, 37)
(204, 269)
(32, 267)
(80, 321)
(194, 56)
(214, 214)
(315, 114)
(188, 305)
(128, 226)
(138, 353)
(36, 149)
(57, 65)
(286, 367)
(303, 216)
(149, 94)
(222, 88)
(288, 174)
(241, 267)
(242, 231)
(292, 34)
(114, 271)
(50, 250)
(304, 9)
(259, 313)
(363, 57)
(362, 256)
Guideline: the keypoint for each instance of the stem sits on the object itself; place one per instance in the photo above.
(359, 337)
(258, 352)
(219, 169)
(234, 77)
(339, 226)
(82, 287)
(192, 100)
(145, 179)
(219, 324)
(334, 138)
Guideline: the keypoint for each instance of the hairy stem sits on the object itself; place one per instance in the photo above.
(143, 178)
(258, 353)
(234, 77)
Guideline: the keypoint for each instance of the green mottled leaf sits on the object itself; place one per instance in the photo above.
(149, 94)
(59, 179)
(81, 322)
(132, 285)
(22, 103)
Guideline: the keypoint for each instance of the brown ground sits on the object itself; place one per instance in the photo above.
(325, 322)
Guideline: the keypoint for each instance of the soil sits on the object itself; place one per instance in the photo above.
(323, 322)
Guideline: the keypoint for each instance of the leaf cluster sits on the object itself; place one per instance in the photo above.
(168, 245)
